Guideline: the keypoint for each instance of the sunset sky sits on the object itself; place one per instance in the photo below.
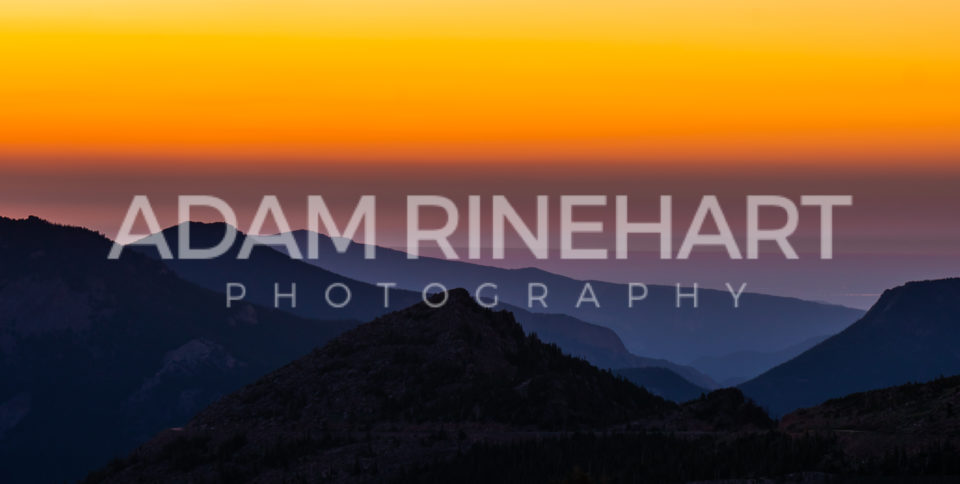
(620, 80)
(104, 99)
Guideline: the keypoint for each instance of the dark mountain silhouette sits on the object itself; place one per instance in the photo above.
(663, 382)
(911, 334)
(897, 421)
(409, 388)
(653, 328)
(596, 343)
(735, 368)
(96, 355)
(904, 434)
(459, 362)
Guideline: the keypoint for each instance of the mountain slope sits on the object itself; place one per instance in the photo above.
(599, 345)
(735, 368)
(654, 327)
(458, 362)
(663, 382)
(407, 379)
(98, 354)
(911, 334)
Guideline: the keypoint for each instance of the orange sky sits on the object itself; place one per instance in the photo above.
(504, 80)
(104, 99)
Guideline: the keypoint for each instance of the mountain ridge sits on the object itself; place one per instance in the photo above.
(654, 328)
(393, 392)
(132, 347)
(596, 342)
(911, 334)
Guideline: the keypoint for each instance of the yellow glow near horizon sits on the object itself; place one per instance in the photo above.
(376, 79)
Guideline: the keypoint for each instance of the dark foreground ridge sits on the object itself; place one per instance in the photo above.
(405, 390)
(905, 434)
(911, 418)
(461, 394)
(458, 363)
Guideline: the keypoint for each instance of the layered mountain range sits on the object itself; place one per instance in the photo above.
(266, 267)
(653, 327)
(98, 355)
